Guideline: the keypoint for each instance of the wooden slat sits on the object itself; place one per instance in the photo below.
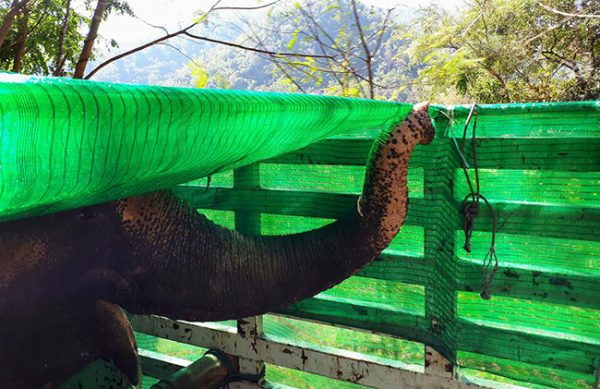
(295, 203)
(358, 314)
(511, 281)
(401, 268)
(312, 360)
(550, 120)
(558, 154)
(354, 152)
(565, 222)
(558, 351)
(548, 286)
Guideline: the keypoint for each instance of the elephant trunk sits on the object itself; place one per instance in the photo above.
(186, 267)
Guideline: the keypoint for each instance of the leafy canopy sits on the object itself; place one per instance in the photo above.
(509, 50)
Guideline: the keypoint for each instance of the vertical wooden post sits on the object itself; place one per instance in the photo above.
(248, 178)
(440, 290)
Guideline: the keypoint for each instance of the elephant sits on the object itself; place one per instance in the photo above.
(67, 277)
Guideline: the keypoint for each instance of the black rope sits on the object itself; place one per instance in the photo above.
(471, 206)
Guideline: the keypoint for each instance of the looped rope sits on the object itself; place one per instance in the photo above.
(471, 211)
(471, 206)
(233, 374)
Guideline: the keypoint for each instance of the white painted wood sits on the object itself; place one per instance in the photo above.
(287, 355)
(437, 364)
(249, 329)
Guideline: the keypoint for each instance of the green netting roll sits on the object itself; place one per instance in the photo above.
(68, 143)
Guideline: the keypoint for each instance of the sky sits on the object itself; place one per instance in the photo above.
(174, 13)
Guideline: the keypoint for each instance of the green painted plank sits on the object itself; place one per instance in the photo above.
(532, 348)
(295, 203)
(552, 188)
(564, 222)
(326, 178)
(520, 373)
(282, 378)
(386, 307)
(539, 120)
(169, 347)
(547, 285)
(551, 335)
(363, 345)
(535, 268)
(558, 321)
(558, 154)
(513, 218)
(358, 315)
(353, 152)
(408, 242)
(411, 270)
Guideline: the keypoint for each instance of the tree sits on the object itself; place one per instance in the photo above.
(32, 42)
(510, 50)
(347, 49)
(42, 36)
(102, 10)
(355, 39)
(15, 8)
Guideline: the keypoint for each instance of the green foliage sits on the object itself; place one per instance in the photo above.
(45, 23)
(118, 6)
(508, 50)
(329, 28)
(42, 41)
(199, 74)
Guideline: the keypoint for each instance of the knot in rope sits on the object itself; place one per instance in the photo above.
(471, 211)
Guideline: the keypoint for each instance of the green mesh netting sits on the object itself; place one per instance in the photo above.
(539, 165)
(67, 143)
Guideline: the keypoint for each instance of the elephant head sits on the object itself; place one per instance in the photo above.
(153, 254)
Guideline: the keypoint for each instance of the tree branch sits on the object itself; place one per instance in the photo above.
(382, 31)
(254, 49)
(9, 18)
(136, 49)
(365, 46)
(29, 30)
(549, 29)
(244, 8)
(558, 12)
(280, 66)
(88, 44)
(185, 31)
(59, 62)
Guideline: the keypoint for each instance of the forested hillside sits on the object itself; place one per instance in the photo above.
(322, 28)
(489, 51)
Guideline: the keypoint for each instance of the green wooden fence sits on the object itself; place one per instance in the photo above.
(539, 166)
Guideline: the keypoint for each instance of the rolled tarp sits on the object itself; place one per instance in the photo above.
(69, 143)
